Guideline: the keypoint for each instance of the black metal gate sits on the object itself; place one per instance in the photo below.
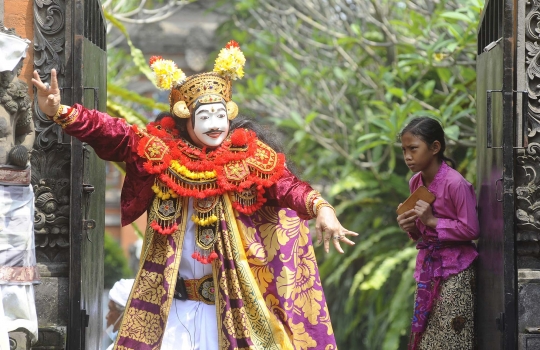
(88, 76)
(500, 132)
(70, 37)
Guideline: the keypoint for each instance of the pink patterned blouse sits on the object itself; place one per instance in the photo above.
(455, 207)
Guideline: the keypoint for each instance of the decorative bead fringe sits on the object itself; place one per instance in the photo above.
(204, 221)
(161, 230)
(203, 259)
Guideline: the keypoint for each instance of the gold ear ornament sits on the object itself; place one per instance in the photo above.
(232, 110)
(181, 110)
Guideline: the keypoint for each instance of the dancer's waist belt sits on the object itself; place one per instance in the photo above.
(199, 289)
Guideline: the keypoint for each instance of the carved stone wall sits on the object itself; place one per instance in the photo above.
(51, 156)
(527, 177)
(51, 180)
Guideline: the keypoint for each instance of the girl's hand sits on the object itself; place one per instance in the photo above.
(407, 221)
(328, 224)
(48, 96)
(425, 214)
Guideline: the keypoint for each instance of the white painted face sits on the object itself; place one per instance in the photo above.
(211, 125)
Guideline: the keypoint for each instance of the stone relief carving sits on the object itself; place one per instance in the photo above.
(532, 47)
(16, 127)
(527, 176)
(51, 156)
(49, 41)
(49, 37)
(50, 171)
(528, 196)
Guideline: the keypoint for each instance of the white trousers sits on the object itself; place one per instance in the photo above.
(192, 325)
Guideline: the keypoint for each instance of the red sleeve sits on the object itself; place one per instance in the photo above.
(290, 192)
(113, 139)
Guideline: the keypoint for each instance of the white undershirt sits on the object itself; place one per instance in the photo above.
(192, 325)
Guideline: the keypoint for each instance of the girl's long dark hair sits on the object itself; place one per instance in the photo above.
(428, 130)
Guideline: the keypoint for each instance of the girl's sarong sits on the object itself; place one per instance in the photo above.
(451, 323)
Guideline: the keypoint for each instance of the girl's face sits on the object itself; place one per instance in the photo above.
(418, 155)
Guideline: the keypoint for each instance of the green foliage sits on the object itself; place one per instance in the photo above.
(115, 265)
(342, 81)
(122, 67)
(136, 54)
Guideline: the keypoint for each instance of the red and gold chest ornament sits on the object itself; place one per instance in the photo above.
(242, 166)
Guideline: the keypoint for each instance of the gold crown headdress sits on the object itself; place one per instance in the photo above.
(207, 87)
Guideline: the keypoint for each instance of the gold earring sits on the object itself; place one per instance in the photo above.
(181, 110)
(232, 110)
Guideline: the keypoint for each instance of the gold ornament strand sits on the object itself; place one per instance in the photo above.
(204, 219)
(183, 171)
(57, 114)
(187, 183)
(162, 191)
(310, 201)
(205, 214)
(322, 203)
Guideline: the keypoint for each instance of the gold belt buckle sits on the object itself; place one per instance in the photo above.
(201, 289)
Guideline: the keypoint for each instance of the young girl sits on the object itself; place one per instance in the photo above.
(444, 306)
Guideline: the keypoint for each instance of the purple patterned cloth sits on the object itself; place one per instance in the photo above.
(281, 256)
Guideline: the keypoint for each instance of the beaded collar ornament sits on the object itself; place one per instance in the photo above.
(242, 166)
(204, 88)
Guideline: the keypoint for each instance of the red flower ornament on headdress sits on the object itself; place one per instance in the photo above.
(154, 59)
(232, 44)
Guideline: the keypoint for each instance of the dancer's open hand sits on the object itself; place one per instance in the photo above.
(48, 96)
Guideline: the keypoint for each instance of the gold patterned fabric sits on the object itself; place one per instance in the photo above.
(282, 260)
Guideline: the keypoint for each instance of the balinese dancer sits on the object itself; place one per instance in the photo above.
(227, 260)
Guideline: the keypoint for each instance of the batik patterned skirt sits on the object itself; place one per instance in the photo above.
(451, 322)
